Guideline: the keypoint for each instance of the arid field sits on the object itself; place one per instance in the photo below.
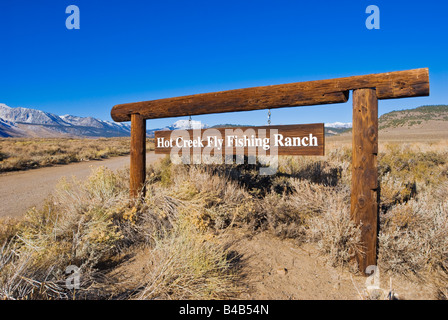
(25, 153)
(225, 232)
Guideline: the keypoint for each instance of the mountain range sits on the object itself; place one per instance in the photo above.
(25, 122)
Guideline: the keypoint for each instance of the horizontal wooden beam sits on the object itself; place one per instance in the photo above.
(290, 95)
(392, 85)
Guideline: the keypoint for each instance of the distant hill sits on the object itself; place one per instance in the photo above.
(425, 123)
(336, 128)
(417, 117)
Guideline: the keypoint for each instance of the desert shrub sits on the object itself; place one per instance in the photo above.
(298, 202)
(210, 200)
(328, 223)
(439, 282)
(246, 176)
(186, 210)
(281, 216)
(80, 225)
(188, 264)
(165, 172)
(395, 191)
(404, 163)
(20, 280)
(8, 229)
(3, 156)
(414, 235)
(287, 215)
(337, 237)
(91, 223)
(413, 223)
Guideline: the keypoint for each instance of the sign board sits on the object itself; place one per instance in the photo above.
(297, 140)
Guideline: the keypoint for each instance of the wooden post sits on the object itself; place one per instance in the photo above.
(138, 154)
(364, 201)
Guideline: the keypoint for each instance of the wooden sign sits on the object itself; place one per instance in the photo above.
(291, 140)
(298, 140)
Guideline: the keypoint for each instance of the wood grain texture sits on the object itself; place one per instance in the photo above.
(138, 155)
(317, 130)
(364, 197)
(392, 85)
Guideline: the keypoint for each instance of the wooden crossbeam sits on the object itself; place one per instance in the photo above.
(391, 85)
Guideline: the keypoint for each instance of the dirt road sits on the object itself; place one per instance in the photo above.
(22, 190)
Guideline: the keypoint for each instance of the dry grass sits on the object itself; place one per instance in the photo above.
(78, 226)
(90, 224)
(187, 264)
(23, 154)
(187, 210)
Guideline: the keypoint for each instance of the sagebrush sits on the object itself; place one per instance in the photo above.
(183, 218)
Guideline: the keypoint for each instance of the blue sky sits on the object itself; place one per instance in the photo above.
(128, 51)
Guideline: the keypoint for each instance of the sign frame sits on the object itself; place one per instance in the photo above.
(367, 90)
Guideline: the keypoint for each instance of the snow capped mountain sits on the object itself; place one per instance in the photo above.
(179, 125)
(79, 121)
(185, 125)
(30, 116)
(16, 122)
(9, 129)
(7, 123)
(339, 125)
(24, 122)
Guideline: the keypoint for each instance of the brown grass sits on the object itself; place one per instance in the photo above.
(22, 154)
(187, 210)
